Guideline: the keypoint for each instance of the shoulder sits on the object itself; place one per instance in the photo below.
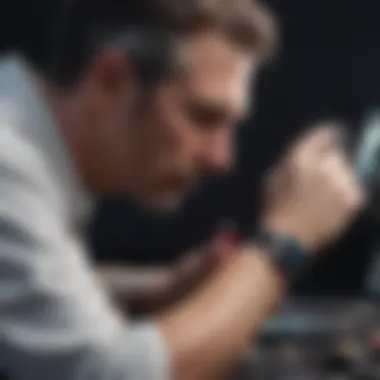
(19, 158)
(25, 182)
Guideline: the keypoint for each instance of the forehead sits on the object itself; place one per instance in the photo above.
(217, 69)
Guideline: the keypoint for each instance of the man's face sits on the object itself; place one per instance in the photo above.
(184, 129)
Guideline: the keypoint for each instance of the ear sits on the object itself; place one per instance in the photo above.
(109, 78)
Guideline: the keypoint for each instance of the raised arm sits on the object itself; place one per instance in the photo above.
(56, 321)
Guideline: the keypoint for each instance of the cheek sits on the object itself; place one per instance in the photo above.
(174, 137)
(108, 135)
(118, 135)
(186, 142)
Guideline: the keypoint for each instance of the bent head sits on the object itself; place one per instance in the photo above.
(160, 107)
(165, 138)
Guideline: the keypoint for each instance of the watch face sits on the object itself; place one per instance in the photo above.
(286, 252)
(292, 257)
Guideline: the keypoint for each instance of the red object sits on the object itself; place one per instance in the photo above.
(225, 243)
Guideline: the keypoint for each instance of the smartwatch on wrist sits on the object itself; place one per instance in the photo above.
(287, 253)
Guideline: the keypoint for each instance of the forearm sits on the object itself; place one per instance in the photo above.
(208, 332)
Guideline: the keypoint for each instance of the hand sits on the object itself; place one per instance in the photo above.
(313, 194)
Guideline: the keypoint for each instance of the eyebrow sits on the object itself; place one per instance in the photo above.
(220, 109)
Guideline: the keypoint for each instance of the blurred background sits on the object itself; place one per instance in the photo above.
(327, 68)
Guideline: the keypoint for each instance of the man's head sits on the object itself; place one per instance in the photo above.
(151, 91)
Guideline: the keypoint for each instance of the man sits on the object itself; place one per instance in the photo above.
(144, 97)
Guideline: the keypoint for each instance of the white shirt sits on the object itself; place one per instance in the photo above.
(56, 322)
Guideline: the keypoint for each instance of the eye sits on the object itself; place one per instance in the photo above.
(206, 116)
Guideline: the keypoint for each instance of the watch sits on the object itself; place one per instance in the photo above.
(288, 254)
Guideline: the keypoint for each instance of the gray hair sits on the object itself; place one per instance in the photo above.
(155, 54)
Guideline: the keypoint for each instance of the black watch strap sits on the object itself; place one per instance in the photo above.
(287, 253)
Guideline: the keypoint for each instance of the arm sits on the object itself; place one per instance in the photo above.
(211, 329)
(57, 322)
(312, 195)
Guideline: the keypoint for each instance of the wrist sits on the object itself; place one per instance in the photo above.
(265, 267)
(284, 251)
(263, 259)
(297, 231)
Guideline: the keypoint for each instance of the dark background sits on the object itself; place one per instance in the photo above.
(328, 67)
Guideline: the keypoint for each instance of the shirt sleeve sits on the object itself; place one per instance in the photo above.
(55, 320)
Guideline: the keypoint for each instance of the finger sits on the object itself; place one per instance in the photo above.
(321, 139)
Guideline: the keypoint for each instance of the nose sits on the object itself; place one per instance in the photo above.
(219, 152)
